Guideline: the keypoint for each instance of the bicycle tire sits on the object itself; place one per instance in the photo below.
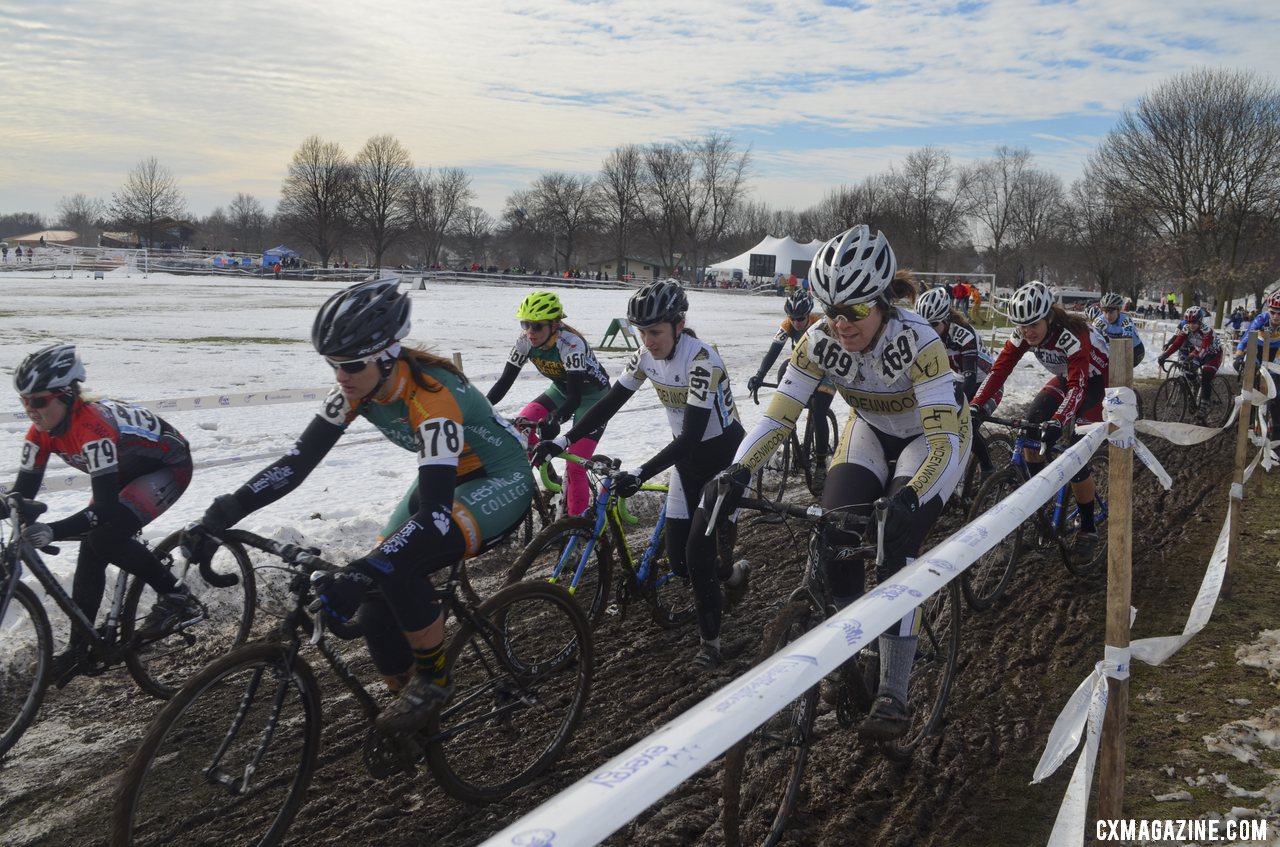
(1170, 403)
(984, 582)
(1066, 540)
(205, 715)
(542, 556)
(523, 677)
(24, 664)
(1000, 450)
(763, 773)
(160, 667)
(670, 597)
(932, 671)
(787, 457)
(1220, 402)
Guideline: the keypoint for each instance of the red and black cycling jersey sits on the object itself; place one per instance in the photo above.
(1200, 343)
(113, 442)
(1063, 353)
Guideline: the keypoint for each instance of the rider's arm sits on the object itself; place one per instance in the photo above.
(600, 414)
(31, 468)
(515, 361)
(413, 540)
(704, 380)
(1079, 350)
(572, 395)
(775, 348)
(779, 421)
(1175, 342)
(288, 472)
(942, 418)
(1000, 369)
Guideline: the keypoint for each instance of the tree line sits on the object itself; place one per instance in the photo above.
(1183, 192)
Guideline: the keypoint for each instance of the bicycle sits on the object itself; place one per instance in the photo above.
(1178, 398)
(227, 595)
(577, 553)
(763, 773)
(235, 749)
(985, 581)
(547, 506)
(990, 452)
(797, 453)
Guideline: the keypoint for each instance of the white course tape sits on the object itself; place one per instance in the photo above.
(602, 802)
(1120, 416)
(1089, 708)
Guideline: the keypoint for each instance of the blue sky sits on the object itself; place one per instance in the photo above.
(824, 92)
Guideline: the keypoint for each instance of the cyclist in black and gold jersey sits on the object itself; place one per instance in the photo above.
(891, 367)
(474, 484)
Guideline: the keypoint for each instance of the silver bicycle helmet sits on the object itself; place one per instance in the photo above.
(934, 305)
(1030, 303)
(854, 267)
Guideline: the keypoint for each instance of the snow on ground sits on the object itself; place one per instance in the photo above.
(176, 336)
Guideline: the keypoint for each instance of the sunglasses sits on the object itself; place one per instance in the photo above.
(856, 312)
(351, 366)
(536, 326)
(39, 402)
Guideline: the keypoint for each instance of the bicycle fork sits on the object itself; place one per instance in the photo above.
(242, 784)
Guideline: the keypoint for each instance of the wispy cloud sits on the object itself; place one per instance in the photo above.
(826, 92)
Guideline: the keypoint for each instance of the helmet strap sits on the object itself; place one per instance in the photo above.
(68, 398)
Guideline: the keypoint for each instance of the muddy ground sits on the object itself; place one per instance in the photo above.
(1018, 664)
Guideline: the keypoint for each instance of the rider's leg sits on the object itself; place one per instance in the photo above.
(537, 412)
(577, 491)
(856, 479)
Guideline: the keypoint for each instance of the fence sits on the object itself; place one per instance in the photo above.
(606, 799)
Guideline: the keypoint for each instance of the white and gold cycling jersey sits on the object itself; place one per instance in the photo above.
(694, 375)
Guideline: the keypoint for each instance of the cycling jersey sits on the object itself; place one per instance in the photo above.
(793, 331)
(564, 351)
(1077, 358)
(1200, 343)
(1260, 325)
(967, 355)
(116, 444)
(692, 376)
(902, 386)
(1122, 328)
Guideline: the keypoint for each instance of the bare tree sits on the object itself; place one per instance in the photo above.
(1037, 206)
(149, 195)
(566, 206)
(1198, 162)
(989, 192)
(620, 203)
(710, 196)
(474, 230)
(434, 201)
(1110, 240)
(870, 202)
(83, 215)
(247, 221)
(315, 199)
(668, 169)
(383, 180)
(930, 196)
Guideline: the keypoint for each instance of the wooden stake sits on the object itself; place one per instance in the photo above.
(1119, 588)
(457, 361)
(1242, 456)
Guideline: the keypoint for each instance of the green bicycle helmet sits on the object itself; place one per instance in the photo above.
(540, 306)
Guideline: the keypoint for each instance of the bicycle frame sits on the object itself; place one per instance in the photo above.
(1061, 515)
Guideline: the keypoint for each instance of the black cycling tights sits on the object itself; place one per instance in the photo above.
(114, 544)
(856, 486)
(819, 405)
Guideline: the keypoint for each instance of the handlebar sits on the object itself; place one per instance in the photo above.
(23, 512)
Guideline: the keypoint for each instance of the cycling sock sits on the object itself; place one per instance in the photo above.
(897, 653)
(1086, 517)
(430, 663)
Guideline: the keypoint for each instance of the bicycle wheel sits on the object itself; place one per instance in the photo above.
(670, 596)
(787, 458)
(520, 688)
(26, 647)
(764, 771)
(1071, 520)
(555, 553)
(999, 448)
(985, 581)
(1221, 399)
(1170, 403)
(161, 667)
(252, 716)
(932, 671)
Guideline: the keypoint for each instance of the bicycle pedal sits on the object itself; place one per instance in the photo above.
(613, 609)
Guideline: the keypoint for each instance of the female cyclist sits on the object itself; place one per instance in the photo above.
(474, 484)
(1076, 354)
(693, 385)
(968, 358)
(799, 309)
(1113, 323)
(907, 437)
(1197, 345)
(139, 466)
(578, 380)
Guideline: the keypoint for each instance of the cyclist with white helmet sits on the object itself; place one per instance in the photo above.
(907, 437)
(1197, 346)
(800, 316)
(1114, 323)
(474, 484)
(692, 383)
(965, 351)
(1266, 321)
(139, 466)
(578, 380)
(1076, 355)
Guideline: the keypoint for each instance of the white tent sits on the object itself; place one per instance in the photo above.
(785, 249)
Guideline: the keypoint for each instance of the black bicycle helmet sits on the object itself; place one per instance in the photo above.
(361, 320)
(798, 305)
(49, 369)
(657, 302)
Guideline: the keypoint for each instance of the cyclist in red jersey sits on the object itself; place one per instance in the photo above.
(1076, 354)
(1197, 346)
(139, 464)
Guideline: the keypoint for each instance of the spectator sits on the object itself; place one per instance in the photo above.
(276, 269)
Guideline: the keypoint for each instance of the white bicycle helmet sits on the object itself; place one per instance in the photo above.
(1030, 303)
(1111, 300)
(853, 267)
(934, 305)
